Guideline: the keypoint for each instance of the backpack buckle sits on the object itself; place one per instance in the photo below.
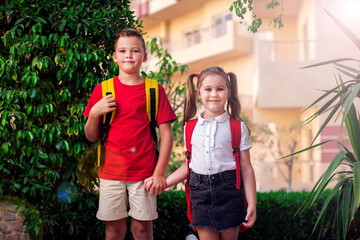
(153, 124)
(236, 150)
(188, 154)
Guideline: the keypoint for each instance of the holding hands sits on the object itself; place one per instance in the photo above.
(155, 184)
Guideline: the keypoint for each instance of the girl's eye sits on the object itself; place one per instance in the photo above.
(207, 89)
(221, 89)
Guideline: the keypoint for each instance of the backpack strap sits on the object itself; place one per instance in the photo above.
(190, 125)
(152, 106)
(107, 88)
(235, 128)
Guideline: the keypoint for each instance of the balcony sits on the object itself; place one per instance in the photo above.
(154, 11)
(282, 82)
(212, 44)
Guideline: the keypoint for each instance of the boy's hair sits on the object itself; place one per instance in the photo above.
(233, 105)
(130, 32)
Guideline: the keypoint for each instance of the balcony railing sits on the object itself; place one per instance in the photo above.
(211, 41)
(291, 50)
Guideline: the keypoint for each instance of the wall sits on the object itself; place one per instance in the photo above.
(11, 222)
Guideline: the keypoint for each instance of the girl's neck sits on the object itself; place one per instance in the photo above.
(211, 115)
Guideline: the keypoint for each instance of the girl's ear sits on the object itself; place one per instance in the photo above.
(198, 93)
(229, 93)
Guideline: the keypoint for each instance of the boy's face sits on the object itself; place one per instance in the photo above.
(129, 55)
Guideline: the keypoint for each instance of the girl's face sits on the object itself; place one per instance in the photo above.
(213, 93)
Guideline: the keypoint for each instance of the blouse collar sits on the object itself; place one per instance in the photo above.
(221, 118)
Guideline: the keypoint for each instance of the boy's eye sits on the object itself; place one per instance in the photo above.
(122, 51)
(136, 51)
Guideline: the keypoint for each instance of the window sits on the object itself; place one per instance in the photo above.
(192, 38)
(220, 24)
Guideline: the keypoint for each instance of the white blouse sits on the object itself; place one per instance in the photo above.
(211, 149)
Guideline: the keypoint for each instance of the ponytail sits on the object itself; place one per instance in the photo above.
(190, 100)
(233, 107)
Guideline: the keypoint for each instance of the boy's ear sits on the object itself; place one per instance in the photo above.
(145, 57)
(114, 56)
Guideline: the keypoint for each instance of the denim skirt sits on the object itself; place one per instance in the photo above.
(216, 203)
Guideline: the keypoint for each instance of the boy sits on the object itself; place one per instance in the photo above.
(130, 154)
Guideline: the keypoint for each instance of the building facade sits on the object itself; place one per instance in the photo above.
(274, 88)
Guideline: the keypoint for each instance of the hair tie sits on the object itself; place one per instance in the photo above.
(197, 75)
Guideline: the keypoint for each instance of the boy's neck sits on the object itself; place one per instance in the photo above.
(130, 79)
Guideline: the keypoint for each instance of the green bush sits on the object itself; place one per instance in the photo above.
(275, 218)
(52, 54)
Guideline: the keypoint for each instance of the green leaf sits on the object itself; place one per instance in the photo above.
(346, 198)
(345, 29)
(40, 20)
(238, 12)
(50, 137)
(29, 135)
(59, 145)
(62, 26)
(330, 61)
(32, 92)
(66, 145)
(356, 182)
(5, 148)
(42, 155)
(353, 130)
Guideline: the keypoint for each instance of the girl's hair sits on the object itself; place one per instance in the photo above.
(233, 105)
(130, 32)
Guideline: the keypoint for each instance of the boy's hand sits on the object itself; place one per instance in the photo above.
(250, 217)
(158, 185)
(105, 105)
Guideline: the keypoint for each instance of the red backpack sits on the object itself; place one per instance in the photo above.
(235, 128)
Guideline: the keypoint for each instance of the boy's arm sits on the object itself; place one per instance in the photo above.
(166, 136)
(92, 126)
(248, 176)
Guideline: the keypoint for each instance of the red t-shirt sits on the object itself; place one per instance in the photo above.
(130, 153)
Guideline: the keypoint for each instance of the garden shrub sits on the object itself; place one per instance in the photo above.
(52, 55)
(275, 218)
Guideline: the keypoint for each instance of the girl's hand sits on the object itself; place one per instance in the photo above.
(250, 217)
(105, 105)
(148, 182)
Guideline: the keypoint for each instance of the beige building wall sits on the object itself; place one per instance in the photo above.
(274, 88)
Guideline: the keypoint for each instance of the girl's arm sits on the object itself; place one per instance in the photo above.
(158, 177)
(92, 126)
(248, 176)
(178, 176)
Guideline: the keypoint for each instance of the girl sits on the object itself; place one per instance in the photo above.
(218, 208)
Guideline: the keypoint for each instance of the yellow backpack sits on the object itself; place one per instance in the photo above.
(152, 107)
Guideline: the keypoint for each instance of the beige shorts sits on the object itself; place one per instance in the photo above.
(116, 195)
